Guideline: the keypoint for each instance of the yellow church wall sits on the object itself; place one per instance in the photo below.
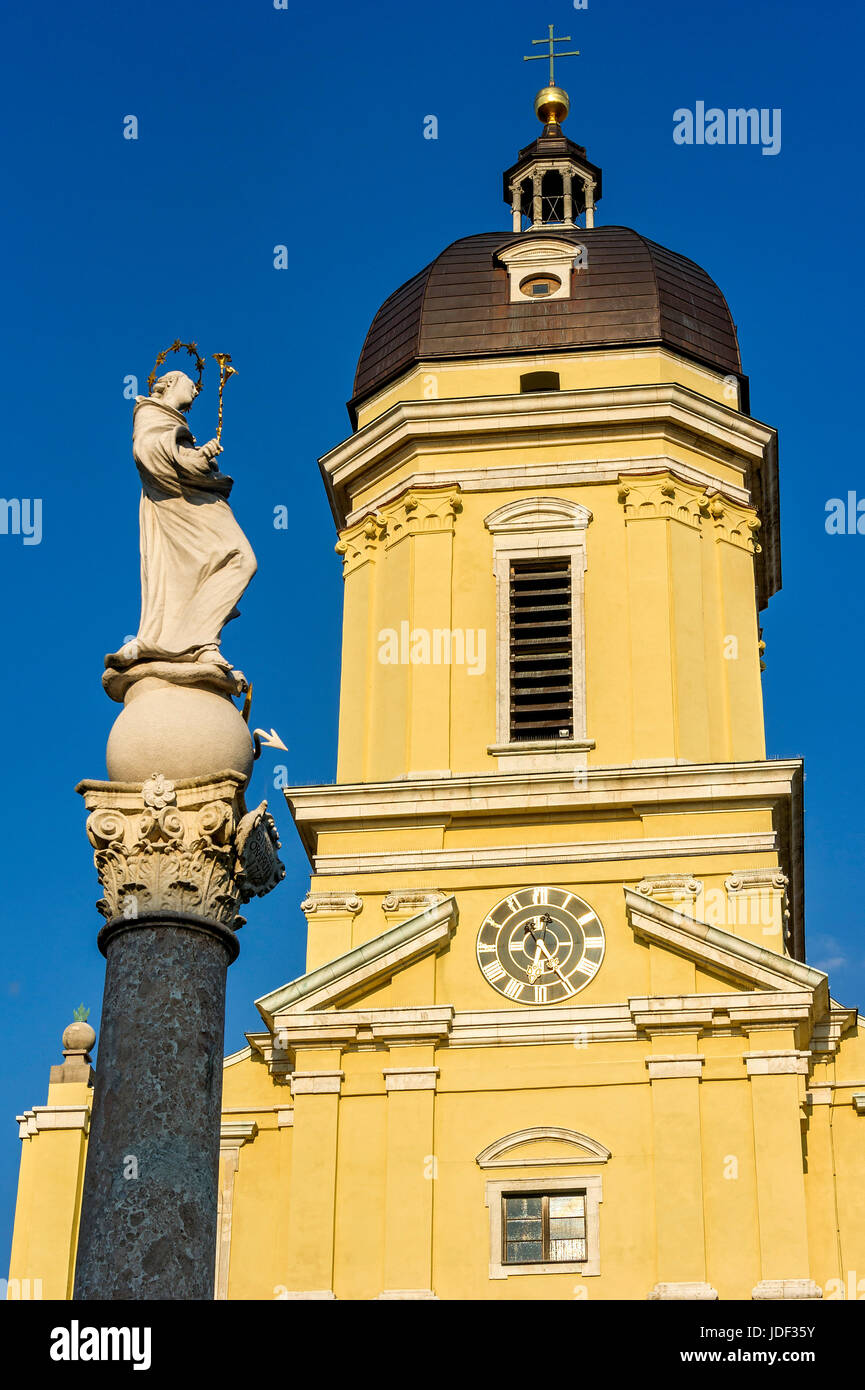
(45, 1234)
(577, 371)
(670, 635)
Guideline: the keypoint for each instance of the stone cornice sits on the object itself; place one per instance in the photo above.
(639, 1019)
(506, 477)
(539, 792)
(612, 410)
(46, 1117)
(552, 852)
(411, 429)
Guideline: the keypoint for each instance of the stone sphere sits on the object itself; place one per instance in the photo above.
(180, 731)
(78, 1037)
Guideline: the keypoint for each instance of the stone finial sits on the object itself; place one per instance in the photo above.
(78, 1039)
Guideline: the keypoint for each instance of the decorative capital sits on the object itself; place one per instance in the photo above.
(655, 496)
(411, 900)
(188, 847)
(331, 904)
(423, 510)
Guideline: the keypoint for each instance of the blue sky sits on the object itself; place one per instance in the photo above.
(304, 127)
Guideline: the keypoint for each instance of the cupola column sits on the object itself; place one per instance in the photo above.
(567, 183)
(516, 205)
(537, 180)
(590, 203)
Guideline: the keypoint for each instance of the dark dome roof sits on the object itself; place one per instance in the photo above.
(633, 292)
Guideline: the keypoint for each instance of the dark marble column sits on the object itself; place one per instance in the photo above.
(148, 1218)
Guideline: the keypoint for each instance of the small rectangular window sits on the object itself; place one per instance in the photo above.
(544, 1228)
(539, 381)
(541, 650)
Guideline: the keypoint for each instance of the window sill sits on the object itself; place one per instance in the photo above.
(586, 1269)
(546, 745)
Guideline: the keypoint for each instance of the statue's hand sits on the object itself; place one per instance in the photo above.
(211, 449)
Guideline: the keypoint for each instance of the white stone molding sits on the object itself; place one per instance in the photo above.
(858, 1101)
(447, 425)
(589, 1184)
(410, 1078)
(233, 1134)
(539, 528)
(732, 956)
(819, 1094)
(778, 1289)
(404, 1295)
(333, 904)
(781, 1062)
(543, 255)
(669, 1067)
(677, 1293)
(285, 1117)
(706, 785)
(240, 1055)
(47, 1117)
(364, 966)
(683, 891)
(316, 1083)
(828, 1031)
(506, 477)
(409, 901)
(760, 896)
(306, 1295)
(525, 855)
(586, 1149)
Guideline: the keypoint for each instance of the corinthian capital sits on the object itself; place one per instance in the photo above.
(188, 846)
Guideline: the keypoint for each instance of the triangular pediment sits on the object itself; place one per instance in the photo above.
(719, 953)
(359, 972)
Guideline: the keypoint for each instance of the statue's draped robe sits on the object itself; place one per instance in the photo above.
(195, 560)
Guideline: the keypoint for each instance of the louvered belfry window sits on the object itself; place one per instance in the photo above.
(541, 650)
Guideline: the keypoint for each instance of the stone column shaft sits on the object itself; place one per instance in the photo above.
(148, 1216)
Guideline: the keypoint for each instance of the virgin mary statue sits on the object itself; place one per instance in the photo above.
(195, 560)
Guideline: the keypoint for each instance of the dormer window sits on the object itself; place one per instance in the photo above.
(542, 267)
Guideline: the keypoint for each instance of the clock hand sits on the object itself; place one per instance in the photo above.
(534, 969)
(553, 965)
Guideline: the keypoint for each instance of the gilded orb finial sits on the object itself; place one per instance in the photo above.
(552, 105)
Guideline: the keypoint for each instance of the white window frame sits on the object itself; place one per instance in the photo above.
(540, 528)
(589, 1184)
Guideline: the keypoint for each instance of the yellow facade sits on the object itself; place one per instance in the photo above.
(701, 1092)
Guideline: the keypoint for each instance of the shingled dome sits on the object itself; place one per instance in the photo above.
(632, 293)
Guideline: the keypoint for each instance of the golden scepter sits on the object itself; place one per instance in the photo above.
(225, 371)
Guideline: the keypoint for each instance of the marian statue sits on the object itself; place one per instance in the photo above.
(195, 560)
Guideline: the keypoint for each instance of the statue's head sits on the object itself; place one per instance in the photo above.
(175, 389)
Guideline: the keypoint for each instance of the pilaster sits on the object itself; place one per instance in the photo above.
(777, 1083)
(675, 1079)
(410, 1082)
(316, 1084)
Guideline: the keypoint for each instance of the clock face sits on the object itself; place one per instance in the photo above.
(540, 945)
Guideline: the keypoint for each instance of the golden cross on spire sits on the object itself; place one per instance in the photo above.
(553, 39)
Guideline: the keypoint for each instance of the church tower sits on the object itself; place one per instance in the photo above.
(556, 1037)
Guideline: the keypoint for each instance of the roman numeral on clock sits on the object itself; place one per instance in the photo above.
(514, 990)
(494, 971)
